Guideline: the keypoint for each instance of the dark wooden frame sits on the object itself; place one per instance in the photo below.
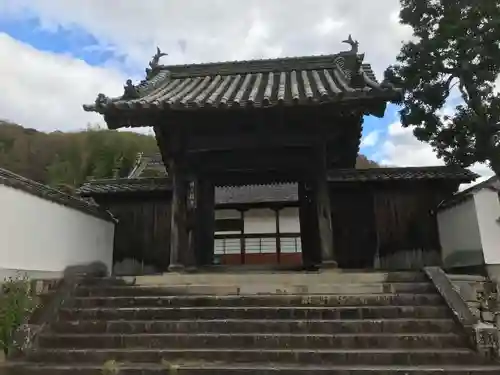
(264, 146)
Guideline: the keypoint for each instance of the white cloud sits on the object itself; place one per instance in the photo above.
(221, 30)
(402, 149)
(371, 139)
(46, 91)
(327, 26)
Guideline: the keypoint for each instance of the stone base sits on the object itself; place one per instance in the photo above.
(191, 269)
(486, 340)
(493, 271)
(176, 267)
(329, 264)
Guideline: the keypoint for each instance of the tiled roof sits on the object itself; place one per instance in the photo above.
(255, 83)
(15, 181)
(398, 173)
(257, 194)
(491, 183)
(280, 192)
(369, 174)
(145, 163)
(125, 185)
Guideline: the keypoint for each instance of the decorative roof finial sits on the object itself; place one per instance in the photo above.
(154, 64)
(353, 43)
(155, 61)
(130, 91)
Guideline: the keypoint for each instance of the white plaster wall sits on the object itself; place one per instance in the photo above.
(289, 220)
(261, 220)
(42, 237)
(459, 234)
(488, 214)
(258, 221)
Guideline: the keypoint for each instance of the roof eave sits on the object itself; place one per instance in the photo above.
(374, 104)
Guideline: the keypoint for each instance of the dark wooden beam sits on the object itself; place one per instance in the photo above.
(256, 235)
(278, 238)
(308, 220)
(178, 232)
(323, 209)
(243, 242)
(254, 160)
(256, 140)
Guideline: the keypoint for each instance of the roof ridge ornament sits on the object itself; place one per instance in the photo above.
(354, 73)
(130, 91)
(102, 100)
(353, 43)
(154, 64)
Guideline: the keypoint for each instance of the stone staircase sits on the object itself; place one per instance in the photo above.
(276, 323)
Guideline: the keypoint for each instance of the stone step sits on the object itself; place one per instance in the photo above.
(282, 278)
(259, 288)
(262, 326)
(275, 312)
(252, 340)
(233, 369)
(263, 300)
(253, 355)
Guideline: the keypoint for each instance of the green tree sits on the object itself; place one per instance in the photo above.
(66, 160)
(448, 71)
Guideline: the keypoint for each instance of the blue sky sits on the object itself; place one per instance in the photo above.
(57, 55)
(81, 45)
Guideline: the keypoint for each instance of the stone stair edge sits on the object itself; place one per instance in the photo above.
(263, 320)
(279, 366)
(352, 277)
(271, 350)
(237, 283)
(262, 308)
(270, 295)
(252, 334)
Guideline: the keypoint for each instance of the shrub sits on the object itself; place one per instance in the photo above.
(17, 302)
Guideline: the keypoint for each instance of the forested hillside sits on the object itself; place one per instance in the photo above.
(65, 160)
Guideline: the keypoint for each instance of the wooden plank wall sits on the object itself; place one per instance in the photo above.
(143, 230)
(386, 225)
(353, 222)
(381, 225)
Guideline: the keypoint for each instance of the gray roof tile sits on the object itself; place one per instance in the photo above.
(255, 83)
(402, 173)
(280, 192)
(15, 181)
(125, 185)
(492, 183)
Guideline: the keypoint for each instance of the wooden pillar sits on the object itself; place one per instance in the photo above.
(189, 256)
(204, 221)
(307, 218)
(278, 236)
(243, 242)
(178, 232)
(323, 210)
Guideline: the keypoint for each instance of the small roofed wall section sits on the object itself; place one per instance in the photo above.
(43, 237)
(387, 225)
(460, 236)
(382, 217)
(469, 228)
(142, 239)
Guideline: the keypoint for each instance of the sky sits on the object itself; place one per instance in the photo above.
(56, 55)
